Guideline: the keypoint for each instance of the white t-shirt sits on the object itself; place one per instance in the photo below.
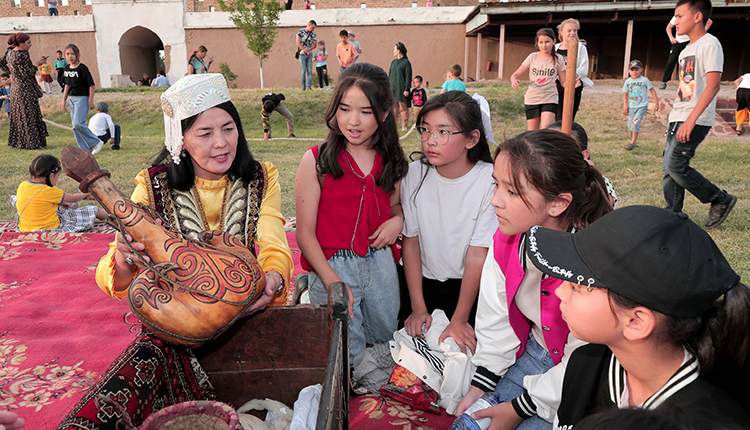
(448, 216)
(745, 82)
(698, 58)
(99, 123)
(681, 38)
(542, 77)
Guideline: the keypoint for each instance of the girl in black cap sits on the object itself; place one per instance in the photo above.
(646, 284)
(523, 343)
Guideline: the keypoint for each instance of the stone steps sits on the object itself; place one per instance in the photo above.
(725, 118)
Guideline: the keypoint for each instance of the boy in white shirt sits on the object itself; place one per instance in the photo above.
(102, 126)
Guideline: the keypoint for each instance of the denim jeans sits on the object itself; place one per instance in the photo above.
(79, 107)
(534, 361)
(53, 11)
(107, 135)
(305, 69)
(635, 117)
(678, 175)
(374, 284)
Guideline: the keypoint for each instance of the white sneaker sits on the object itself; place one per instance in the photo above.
(95, 150)
(328, 88)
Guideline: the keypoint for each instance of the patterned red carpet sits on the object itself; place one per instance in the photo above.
(59, 331)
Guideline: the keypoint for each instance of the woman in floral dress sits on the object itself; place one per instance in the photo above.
(27, 128)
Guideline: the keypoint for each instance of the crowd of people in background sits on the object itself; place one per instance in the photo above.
(568, 307)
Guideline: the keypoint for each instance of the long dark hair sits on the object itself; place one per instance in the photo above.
(466, 114)
(182, 176)
(401, 48)
(544, 31)
(200, 48)
(721, 335)
(44, 166)
(373, 81)
(552, 163)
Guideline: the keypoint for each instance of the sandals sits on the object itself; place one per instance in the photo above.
(739, 132)
(630, 146)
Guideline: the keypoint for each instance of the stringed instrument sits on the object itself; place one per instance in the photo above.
(192, 290)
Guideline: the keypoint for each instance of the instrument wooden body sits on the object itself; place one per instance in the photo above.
(196, 289)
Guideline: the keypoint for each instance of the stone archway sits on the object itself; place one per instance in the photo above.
(141, 51)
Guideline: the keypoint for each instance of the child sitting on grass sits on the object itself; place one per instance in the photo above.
(453, 80)
(635, 100)
(660, 306)
(43, 206)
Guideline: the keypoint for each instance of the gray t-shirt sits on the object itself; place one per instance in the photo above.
(696, 60)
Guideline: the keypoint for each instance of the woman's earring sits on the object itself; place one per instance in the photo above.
(183, 153)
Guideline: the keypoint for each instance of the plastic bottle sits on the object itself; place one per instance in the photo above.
(465, 422)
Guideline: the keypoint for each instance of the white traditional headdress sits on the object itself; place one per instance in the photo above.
(189, 96)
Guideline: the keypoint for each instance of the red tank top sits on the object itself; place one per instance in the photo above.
(350, 209)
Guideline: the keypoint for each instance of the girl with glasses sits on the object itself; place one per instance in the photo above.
(448, 220)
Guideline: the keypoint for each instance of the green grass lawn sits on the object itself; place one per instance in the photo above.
(636, 175)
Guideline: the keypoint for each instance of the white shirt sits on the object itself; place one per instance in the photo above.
(497, 343)
(160, 81)
(99, 123)
(696, 60)
(448, 216)
(745, 82)
(582, 64)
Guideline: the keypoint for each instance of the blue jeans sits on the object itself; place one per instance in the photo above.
(635, 117)
(305, 69)
(53, 11)
(534, 361)
(106, 136)
(374, 284)
(679, 176)
(79, 107)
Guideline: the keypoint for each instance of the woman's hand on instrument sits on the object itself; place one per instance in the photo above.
(126, 254)
(274, 284)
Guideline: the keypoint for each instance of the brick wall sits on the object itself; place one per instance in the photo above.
(8, 8)
(205, 5)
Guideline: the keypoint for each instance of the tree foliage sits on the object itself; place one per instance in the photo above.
(257, 20)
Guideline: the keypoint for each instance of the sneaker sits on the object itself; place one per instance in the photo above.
(115, 147)
(292, 135)
(328, 88)
(356, 389)
(403, 128)
(663, 86)
(95, 150)
(720, 210)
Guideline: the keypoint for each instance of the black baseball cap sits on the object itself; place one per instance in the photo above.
(656, 257)
(635, 63)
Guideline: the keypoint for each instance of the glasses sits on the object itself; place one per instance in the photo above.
(441, 136)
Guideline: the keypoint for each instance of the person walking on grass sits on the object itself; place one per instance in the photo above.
(743, 102)
(635, 100)
(79, 90)
(693, 114)
(679, 42)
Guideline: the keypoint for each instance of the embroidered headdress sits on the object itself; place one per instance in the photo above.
(189, 96)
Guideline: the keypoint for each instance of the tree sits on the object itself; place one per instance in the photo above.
(257, 20)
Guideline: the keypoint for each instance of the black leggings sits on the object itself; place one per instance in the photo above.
(674, 56)
(437, 295)
(561, 97)
(322, 73)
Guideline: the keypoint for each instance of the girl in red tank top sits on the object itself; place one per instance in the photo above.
(348, 205)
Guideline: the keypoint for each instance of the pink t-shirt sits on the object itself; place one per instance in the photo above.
(542, 77)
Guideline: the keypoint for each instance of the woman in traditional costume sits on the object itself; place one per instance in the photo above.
(204, 179)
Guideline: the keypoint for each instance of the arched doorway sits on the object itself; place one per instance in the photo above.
(141, 51)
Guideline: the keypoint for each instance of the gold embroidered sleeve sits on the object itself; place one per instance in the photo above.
(274, 252)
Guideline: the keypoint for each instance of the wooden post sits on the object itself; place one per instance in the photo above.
(628, 45)
(501, 52)
(479, 56)
(570, 86)
(466, 59)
